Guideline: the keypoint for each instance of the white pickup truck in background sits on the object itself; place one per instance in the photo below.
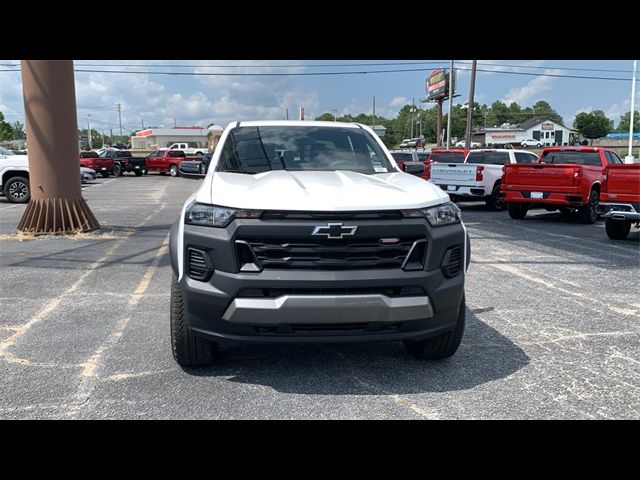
(189, 149)
(479, 176)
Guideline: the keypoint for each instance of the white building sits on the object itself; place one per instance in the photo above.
(153, 138)
(546, 131)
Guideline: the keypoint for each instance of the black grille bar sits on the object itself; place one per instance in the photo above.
(330, 254)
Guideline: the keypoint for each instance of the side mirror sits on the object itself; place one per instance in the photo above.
(416, 168)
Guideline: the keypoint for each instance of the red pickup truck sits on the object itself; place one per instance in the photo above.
(620, 200)
(103, 166)
(165, 161)
(564, 178)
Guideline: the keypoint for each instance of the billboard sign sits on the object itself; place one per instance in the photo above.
(547, 126)
(437, 85)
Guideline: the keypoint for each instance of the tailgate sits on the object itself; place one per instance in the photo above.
(453, 174)
(539, 176)
(623, 183)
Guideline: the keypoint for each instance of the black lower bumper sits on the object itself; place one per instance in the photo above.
(312, 306)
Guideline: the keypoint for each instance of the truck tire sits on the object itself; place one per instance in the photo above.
(199, 154)
(518, 210)
(589, 212)
(188, 350)
(117, 170)
(17, 190)
(138, 173)
(496, 200)
(617, 229)
(173, 170)
(442, 346)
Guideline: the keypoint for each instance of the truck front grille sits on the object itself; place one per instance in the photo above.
(329, 254)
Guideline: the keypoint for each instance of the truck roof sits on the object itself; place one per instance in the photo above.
(574, 149)
(294, 123)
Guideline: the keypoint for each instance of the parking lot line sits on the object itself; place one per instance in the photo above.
(91, 366)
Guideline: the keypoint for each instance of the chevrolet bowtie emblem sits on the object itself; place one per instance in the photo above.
(334, 230)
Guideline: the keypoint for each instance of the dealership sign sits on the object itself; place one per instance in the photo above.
(437, 84)
(547, 126)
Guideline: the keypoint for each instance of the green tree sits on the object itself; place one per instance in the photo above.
(18, 130)
(325, 117)
(515, 113)
(543, 109)
(498, 114)
(593, 125)
(6, 131)
(625, 121)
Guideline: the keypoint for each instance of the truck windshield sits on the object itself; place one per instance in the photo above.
(260, 149)
(571, 157)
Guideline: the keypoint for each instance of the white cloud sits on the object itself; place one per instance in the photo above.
(615, 111)
(398, 102)
(531, 90)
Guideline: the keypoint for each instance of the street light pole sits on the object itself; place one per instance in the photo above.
(89, 130)
(629, 158)
(467, 140)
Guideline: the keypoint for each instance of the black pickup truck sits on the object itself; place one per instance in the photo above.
(125, 162)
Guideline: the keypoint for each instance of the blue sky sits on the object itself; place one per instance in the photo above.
(191, 100)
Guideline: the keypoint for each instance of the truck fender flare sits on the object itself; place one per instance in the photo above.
(173, 246)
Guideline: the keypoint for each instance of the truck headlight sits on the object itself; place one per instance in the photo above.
(215, 216)
(445, 214)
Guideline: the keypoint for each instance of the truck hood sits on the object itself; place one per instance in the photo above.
(319, 191)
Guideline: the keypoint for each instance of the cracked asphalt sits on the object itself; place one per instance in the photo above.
(552, 329)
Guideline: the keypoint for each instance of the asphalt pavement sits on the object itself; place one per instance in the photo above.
(552, 328)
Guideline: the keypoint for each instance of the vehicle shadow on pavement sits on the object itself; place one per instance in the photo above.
(485, 355)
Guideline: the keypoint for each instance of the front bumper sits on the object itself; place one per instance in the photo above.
(311, 306)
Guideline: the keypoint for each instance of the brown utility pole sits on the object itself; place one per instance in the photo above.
(439, 122)
(56, 205)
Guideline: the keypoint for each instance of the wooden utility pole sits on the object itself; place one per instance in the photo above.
(56, 205)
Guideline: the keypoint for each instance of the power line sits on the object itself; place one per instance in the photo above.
(362, 72)
(317, 65)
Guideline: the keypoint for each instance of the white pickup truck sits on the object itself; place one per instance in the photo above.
(190, 148)
(14, 176)
(479, 176)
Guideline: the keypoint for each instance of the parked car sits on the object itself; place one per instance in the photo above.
(531, 142)
(87, 174)
(566, 178)
(105, 166)
(190, 148)
(165, 161)
(322, 242)
(620, 198)
(14, 176)
(462, 144)
(480, 176)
